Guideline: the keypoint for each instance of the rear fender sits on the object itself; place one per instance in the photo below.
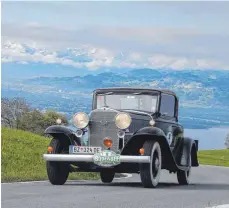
(194, 150)
(151, 133)
(189, 149)
(64, 134)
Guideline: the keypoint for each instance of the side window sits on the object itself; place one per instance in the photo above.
(167, 105)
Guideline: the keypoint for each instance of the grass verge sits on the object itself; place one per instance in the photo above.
(214, 157)
(22, 157)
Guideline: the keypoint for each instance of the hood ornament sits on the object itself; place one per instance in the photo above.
(104, 123)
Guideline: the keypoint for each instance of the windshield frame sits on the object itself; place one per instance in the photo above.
(126, 92)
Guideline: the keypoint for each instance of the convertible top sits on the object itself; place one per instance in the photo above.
(141, 89)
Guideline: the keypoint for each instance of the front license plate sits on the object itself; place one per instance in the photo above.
(83, 150)
(106, 158)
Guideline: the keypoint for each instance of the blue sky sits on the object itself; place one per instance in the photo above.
(73, 15)
(94, 35)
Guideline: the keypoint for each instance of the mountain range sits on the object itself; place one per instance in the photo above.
(203, 94)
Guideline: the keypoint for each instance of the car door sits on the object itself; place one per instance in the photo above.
(168, 118)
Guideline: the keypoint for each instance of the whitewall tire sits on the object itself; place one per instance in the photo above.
(150, 172)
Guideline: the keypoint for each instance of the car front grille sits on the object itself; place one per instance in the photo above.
(101, 125)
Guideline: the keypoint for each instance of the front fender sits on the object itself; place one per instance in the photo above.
(56, 129)
(151, 133)
(63, 133)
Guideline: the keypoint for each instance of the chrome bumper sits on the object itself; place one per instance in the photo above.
(89, 158)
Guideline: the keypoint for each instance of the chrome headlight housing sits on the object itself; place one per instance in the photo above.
(123, 120)
(81, 120)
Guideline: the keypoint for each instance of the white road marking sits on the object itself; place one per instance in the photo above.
(220, 206)
(126, 175)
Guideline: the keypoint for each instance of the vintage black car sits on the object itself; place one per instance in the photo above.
(129, 130)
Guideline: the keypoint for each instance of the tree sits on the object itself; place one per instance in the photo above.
(12, 111)
(36, 121)
(52, 116)
(17, 114)
(227, 141)
(32, 121)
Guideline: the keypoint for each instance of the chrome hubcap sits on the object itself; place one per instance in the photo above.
(157, 164)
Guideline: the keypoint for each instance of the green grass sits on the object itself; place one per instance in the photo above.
(214, 157)
(22, 157)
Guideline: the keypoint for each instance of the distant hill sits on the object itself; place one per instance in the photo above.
(195, 87)
(203, 94)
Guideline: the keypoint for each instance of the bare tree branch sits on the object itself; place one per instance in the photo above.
(12, 111)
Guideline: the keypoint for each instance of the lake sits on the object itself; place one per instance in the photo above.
(213, 138)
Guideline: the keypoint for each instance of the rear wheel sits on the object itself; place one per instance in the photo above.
(183, 177)
(150, 172)
(107, 176)
(57, 171)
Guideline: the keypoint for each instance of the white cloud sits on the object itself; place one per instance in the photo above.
(135, 47)
(135, 56)
(16, 52)
(23, 62)
(101, 57)
(7, 59)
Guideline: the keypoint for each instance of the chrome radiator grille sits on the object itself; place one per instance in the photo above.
(102, 124)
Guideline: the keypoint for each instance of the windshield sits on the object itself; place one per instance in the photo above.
(127, 101)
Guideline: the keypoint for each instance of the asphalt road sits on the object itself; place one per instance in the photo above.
(209, 187)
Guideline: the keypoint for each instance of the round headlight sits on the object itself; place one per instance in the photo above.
(81, 120)
(123, 120)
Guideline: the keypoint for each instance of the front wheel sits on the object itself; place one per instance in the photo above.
(57, 171)
(107, 176)
(150, 172)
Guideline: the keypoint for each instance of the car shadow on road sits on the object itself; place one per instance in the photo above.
(203, 186)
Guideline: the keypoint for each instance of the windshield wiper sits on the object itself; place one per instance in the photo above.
(105, 100)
